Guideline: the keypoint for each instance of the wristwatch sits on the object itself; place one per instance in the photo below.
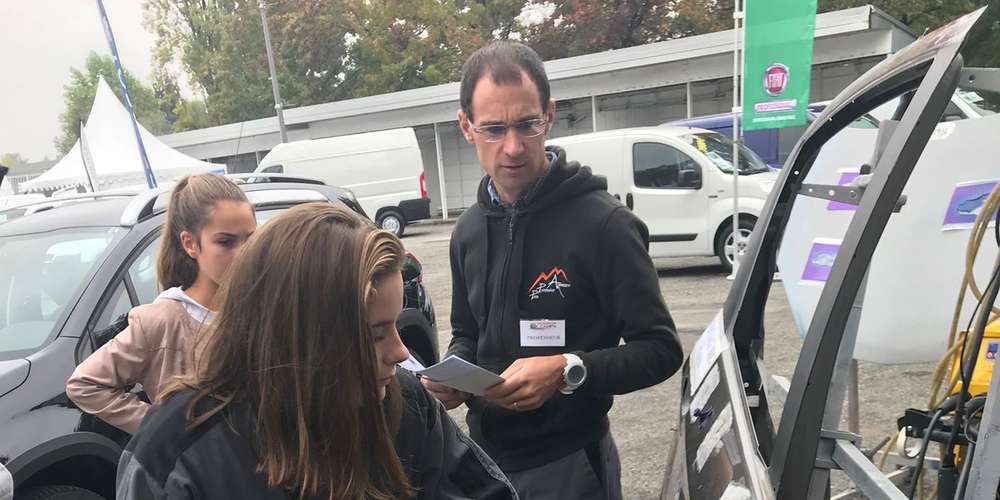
(574, 374)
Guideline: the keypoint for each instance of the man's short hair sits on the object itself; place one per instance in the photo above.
(503, 61)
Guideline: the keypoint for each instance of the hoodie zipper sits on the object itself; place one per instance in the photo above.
(511, 221)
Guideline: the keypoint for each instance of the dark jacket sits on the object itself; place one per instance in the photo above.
(567, 250)
(163, 461)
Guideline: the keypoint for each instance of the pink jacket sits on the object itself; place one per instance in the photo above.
(157, 345)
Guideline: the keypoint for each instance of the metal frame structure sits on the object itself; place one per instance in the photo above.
(808, 443)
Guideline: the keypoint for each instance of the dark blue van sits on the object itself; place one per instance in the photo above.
(771, 145)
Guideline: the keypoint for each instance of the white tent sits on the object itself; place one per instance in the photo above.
(115, 155)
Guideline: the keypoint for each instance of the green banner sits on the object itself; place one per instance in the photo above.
(777, 61)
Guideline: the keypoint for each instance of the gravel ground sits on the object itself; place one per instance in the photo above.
(644, 422)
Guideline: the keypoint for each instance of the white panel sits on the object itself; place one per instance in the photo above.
(903, 320)
(425, 139)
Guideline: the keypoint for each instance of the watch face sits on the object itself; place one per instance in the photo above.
(575, 375)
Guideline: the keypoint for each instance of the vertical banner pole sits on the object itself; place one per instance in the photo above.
(150, 178)
(736, 235)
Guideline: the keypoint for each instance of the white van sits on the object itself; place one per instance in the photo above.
(384, 170)
(679, 181)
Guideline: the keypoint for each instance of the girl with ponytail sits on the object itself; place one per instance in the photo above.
(208, 219)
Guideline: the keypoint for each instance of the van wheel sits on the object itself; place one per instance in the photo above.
(58, 492)
(724, 246)
(392, 221)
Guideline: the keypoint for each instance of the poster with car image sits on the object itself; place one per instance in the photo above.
(967, 201)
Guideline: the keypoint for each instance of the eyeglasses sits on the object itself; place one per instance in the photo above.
(526, 129)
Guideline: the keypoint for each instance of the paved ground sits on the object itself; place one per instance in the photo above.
(694, 288)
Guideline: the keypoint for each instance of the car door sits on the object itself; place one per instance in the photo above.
(927, 72)
(665, 192)
(135, 285)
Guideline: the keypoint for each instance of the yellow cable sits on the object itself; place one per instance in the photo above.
(952, 354)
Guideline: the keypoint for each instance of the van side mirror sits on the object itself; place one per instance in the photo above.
(689, 179)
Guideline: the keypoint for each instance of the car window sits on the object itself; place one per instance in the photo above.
(719, 149)
(659, 166)
(40, 276)
(118, 305)
(143, 273)
(985, 103)
(12, 213)
(264, 215)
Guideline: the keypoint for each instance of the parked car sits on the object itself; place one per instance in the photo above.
(774, 145)
(384, 169)
(679, 181)
(70, 275)
(39, 203)
(771, 145)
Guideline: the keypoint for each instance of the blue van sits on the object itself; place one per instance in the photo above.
(771, 145)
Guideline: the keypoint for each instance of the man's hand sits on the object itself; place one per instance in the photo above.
(451, 398)
(529, 382)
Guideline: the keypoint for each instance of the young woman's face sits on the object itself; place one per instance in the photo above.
(228, 226)
(382, 313)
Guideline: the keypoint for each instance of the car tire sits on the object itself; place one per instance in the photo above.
(58, 492)
(392, 221)
(723, 242)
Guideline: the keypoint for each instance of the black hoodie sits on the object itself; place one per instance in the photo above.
(566, 251)
(165, 460)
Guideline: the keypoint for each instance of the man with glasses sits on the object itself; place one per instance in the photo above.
(549, 274)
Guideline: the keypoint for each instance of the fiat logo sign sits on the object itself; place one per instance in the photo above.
(775, 79)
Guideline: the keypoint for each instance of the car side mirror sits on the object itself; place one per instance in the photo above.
(412, 269)
(689, 179)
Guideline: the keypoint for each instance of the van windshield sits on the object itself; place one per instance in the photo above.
(719, 149)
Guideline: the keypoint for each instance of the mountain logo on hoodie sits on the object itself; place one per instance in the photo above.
(552, 281)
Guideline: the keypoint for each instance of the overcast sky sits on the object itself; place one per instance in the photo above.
(39, 42)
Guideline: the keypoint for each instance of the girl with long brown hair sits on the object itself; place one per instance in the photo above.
(296, 392)
(208, 218)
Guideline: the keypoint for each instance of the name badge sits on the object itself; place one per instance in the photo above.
(543, 333)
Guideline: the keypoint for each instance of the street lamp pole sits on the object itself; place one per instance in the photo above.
(278, 105)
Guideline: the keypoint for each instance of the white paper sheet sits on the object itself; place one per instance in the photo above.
(459, 374)
(710, 345)
(412, 364)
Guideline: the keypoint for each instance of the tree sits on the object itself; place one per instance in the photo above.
(79, 95)
(325, 50)
(219, 44)
(12, 160)
(577, 27)
(405, 44)
(983, 47)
